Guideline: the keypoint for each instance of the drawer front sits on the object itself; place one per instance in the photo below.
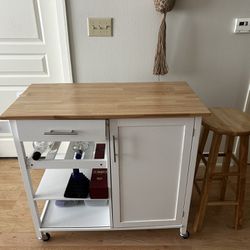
(61, 130)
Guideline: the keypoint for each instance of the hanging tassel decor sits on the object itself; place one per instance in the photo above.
(160, 64)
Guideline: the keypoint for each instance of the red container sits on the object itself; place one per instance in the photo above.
(100, 151)
(98, 188)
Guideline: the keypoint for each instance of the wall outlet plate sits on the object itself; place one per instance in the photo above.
(242, 25)
(100, 27)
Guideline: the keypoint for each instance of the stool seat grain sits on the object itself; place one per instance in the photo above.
(228, 121)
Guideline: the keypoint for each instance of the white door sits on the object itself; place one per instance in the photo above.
(33, 49)
(149, 165)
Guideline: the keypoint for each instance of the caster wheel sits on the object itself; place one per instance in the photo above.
(185, 235)
(45, 237)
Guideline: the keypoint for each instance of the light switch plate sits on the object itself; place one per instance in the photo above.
(100, 27)
(242, 25)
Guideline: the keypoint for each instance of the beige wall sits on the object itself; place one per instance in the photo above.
(201, 48)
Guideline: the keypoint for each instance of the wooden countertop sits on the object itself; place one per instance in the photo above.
(105, 101)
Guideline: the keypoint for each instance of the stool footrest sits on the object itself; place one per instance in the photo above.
(225, 174)
(203, 155)
(219, 176)
(223, 203)
(219, 154)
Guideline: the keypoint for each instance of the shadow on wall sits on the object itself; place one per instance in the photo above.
(182, 35)
(191, 5)
(182, 54)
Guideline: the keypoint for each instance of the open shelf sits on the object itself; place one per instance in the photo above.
(61, 155)
(54, 182)
(78, 216)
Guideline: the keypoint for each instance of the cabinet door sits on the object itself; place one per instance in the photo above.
(150, 161)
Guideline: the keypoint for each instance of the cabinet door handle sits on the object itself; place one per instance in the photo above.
(61, 132)
(114, 150)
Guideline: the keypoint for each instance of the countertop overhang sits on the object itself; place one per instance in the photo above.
(105, 101)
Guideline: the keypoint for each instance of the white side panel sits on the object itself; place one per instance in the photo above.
(190, 177)
(150, 172)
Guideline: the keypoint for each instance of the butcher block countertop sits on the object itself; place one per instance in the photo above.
(105, 101)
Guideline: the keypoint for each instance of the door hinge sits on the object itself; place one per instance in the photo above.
(183, 213)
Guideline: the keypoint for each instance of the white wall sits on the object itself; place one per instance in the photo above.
(201, 48)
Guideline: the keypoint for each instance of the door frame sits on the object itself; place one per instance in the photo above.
(64, 38)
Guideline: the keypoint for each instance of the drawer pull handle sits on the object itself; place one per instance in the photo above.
(61, 132)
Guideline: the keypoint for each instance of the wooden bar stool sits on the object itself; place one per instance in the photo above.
(229, 123)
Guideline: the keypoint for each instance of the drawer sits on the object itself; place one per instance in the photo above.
(61, 130)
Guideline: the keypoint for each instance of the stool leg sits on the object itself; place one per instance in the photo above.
(241, 185)
(226, 165)
(202, 143)
(211, 164)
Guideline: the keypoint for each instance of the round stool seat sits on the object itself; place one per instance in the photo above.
(227, 121)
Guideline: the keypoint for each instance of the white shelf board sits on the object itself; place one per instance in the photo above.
(54, 183)
(62, 164)
(80, 216)
(62, 157)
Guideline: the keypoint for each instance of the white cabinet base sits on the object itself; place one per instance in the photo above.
(151, 162)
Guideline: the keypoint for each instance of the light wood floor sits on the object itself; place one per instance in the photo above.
(16, 229)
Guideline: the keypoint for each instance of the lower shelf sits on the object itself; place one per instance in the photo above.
(79, 216)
